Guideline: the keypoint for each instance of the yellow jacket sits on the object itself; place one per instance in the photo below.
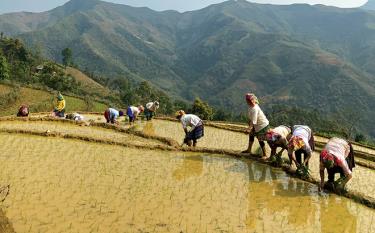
(60, 105)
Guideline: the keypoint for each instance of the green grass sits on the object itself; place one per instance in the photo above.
(42, 101)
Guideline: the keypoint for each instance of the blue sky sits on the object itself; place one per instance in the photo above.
(180, 5)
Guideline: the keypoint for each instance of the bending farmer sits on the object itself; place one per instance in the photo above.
(133, 112)
(23, 111)
(112, 114)
(278, 137)
(195, 124)
(301, 142)
(59, 110)
(337, 157)
(150, 110)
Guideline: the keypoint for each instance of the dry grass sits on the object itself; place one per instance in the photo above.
(88, 84)
(44, 101)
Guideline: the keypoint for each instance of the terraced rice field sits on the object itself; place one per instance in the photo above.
(61, 185)
(66, 128)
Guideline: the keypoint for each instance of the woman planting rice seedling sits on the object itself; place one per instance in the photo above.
(258, 124)
(59, 110)
(23, 111)
(112, 114)
(301, 142)
(195, 124)
(150, 110)
(132, 112)
(76, 117)
(337, 157)
(278, 137)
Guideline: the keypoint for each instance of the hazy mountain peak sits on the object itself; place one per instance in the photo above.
(78, 5)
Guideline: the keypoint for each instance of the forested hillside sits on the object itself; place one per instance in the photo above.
(315, 58)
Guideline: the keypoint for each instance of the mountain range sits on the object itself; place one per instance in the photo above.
(313, 57)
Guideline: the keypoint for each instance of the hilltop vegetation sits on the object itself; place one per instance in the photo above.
(26, 78)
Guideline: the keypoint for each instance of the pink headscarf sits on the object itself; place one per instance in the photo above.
(251, 96)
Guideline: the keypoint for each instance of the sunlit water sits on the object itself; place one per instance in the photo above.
(60, 185)
(363, 178)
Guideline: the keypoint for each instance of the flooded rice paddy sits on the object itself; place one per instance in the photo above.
(61, 185)
(66, 128)
(363, 178)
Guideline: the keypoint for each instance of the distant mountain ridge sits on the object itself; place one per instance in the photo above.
(308, 56)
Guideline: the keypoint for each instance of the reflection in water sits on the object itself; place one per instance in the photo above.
(5, 225)
(277, 202)
(191, 166)
(336, 217)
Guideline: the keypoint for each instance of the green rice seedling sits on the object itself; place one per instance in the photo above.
(303, 171)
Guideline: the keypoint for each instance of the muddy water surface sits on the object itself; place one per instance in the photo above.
(60, 185)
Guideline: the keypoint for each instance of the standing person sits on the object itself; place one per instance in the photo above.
(278, 137)
(59, 110)
(337, 157)
(150, 110)
(195, 124)
(132, 112)
(301, 142)
(23, 111)
(258, 124)
(112, 114)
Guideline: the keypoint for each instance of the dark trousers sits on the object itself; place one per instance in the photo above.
(336, 169)
(299, 154)
(333, 171)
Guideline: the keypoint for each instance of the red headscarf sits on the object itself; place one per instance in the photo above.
(251, 96)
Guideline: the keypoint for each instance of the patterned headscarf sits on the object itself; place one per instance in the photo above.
(251, 96)
(272, 136)
(327, 159)
(60, 97)
(295, 143)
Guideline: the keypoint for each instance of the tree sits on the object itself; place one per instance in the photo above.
(4, 68)
(222, 115)
(202, 109)
(67, 57)
(359, 137)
